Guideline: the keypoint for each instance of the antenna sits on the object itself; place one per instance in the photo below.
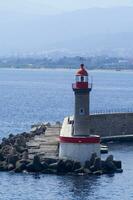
(82, 59)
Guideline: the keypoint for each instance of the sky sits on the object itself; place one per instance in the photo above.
(81, 4)
(57, 6)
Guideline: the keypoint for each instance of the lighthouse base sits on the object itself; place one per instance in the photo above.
(75, 147)
(78, 152)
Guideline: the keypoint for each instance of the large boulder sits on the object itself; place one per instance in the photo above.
(79, 171)
(53, 166)
(44, 165)
(87, 164)
(1, 157)
(12, 159)
(6, 150)
(61, 166)
(21, 165)
(3, 166)
(76, 165)
(109, 164)
(10, 167)
(92, 159)
(97, 165)
(35, 165)
(69, 165)
(51, 160)
(38, 130)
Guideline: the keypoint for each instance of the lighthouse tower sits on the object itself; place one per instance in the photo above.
(76, 143)
(82, 92)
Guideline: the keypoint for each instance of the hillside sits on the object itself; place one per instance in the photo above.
(94, 29)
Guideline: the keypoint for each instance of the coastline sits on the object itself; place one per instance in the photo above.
(65, 69)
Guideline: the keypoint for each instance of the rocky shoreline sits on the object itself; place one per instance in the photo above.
(14, 157)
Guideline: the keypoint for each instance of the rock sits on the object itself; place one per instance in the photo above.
(48, 124)
(109, 164)
(25, 155)
(76, 165)
(6, 150)
(10, 167)
(92, 159)
(51, 160)
(30, 167)
(1, 157)
(20, 141)
(20, 149)
(80, 170)
(53, 166)
(99, 172)
(110, 167)
(26, 135)
(25, 161)
(3, 166)
(35, 165)
(11, 136)
(103, 164)
(45, 165)
(12, 159)
(20, 166)
(87, 164)
(5, 141)
(118, 164)
(87, 171)
(97, 165)
(61, 166)
(68, 165)
(109, 158)
(38, 130)
(13, 151)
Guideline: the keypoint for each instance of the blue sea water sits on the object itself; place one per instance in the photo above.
(32, 96)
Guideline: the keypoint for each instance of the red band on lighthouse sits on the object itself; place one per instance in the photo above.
(90, 139)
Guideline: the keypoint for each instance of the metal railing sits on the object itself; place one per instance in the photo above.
(111, 111)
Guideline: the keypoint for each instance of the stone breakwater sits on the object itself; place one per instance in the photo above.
(28, 152)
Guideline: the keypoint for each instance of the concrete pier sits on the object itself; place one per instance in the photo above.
(38, 152)
(45, 145)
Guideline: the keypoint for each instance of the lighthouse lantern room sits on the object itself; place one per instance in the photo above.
(75, 140)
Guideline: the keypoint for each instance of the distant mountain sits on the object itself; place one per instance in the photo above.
(95, 30)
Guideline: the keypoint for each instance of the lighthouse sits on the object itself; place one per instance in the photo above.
(82, 89)
(76, 141)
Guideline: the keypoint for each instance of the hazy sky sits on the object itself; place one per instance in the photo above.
(77, 4)
(57, 6)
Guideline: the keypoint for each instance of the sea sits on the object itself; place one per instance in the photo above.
(31, 96)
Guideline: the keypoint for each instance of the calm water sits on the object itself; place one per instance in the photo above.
(31, 96)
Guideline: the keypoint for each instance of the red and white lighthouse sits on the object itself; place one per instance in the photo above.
(75, 140)
(82, 89)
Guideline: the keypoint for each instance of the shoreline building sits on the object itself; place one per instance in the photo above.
(76, 143)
